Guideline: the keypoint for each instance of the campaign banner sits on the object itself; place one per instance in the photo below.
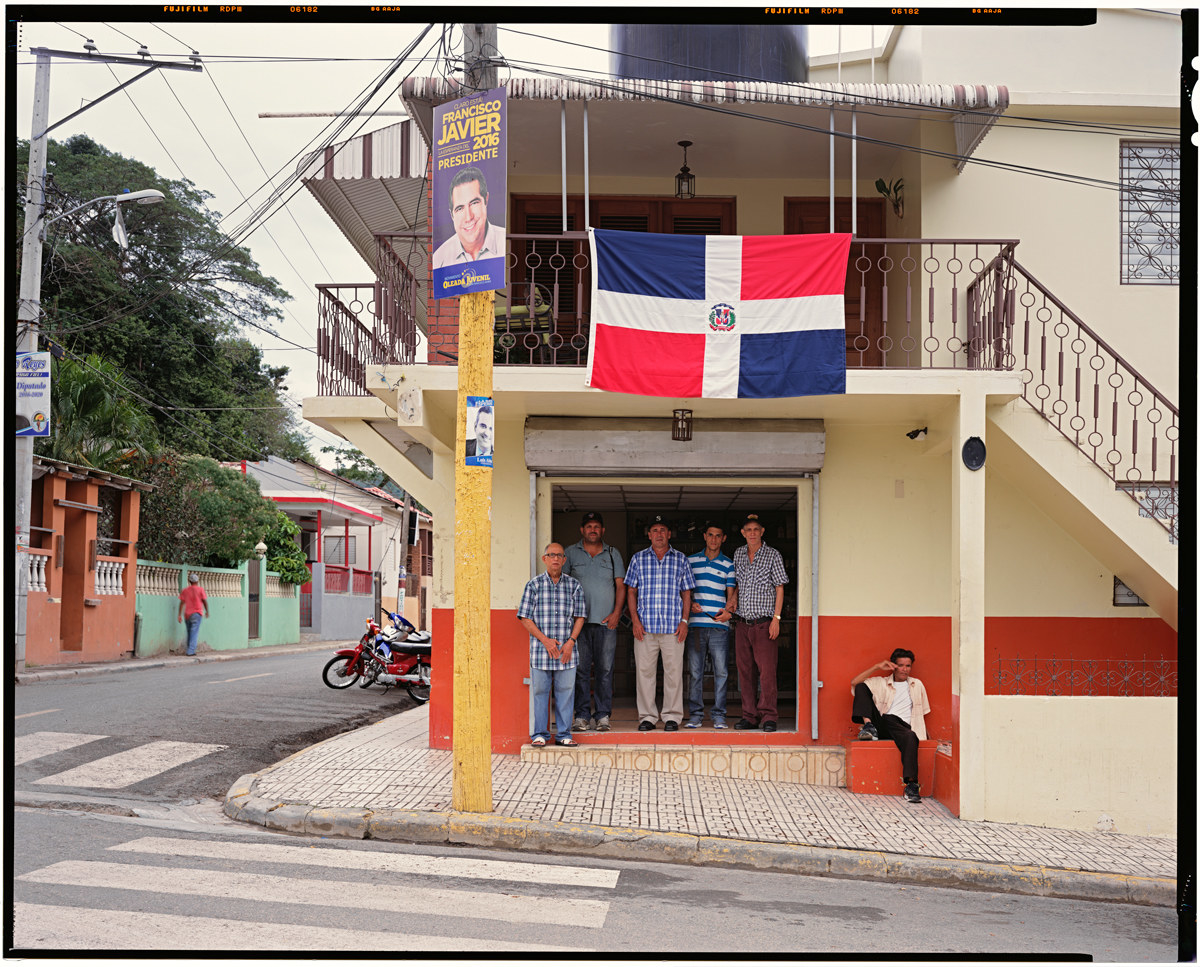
(481, 431)
(470, 194)
(33, 394)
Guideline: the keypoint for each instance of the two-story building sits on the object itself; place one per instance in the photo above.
(995, 490)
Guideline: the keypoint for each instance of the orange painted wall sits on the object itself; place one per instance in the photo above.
(847, 646)
(945, 771)
(510, 695)
(1078, 638)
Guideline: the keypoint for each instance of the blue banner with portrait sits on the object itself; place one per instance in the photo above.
(470, 194)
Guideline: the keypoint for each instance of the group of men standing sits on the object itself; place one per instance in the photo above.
(680, 608)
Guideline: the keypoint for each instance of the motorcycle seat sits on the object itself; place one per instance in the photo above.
(411, 647)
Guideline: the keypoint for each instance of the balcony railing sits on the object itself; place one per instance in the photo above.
(910, 303)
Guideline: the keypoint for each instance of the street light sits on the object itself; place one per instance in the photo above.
(28, 313)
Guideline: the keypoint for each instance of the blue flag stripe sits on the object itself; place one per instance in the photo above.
(668, 266)
(792, 364)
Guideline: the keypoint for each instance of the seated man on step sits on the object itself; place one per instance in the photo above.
(893, 707)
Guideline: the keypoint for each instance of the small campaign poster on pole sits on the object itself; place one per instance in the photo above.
(481, 431)
(470, 194)
(33, 394)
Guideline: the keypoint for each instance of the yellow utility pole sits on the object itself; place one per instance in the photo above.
(472, 737)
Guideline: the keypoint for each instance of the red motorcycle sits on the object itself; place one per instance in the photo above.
(398, 655)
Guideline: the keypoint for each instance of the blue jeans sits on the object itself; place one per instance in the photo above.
(193, 631)
(703, 640)
(597, 646)
(563, 684)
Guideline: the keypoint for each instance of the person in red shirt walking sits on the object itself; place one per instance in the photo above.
(192, 601)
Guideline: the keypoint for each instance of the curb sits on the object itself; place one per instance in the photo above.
(578, 839)
(139, 664)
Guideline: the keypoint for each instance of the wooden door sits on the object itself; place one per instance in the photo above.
(864, 288)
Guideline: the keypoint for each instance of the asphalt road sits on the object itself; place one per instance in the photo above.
(258, 710)
(196, 881)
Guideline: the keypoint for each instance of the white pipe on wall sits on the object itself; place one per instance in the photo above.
(816, 544)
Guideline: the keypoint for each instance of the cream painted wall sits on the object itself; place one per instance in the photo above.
(1124, 51)
(1036, 569)
(882, 553)
(1069, 233)
(1110, 759)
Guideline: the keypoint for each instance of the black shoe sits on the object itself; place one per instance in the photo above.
(646, 727)
(671, 727)
(770, 726)
(912, 792)
(868, 732)
(744, 724)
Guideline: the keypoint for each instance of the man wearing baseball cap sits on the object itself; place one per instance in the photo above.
(601, 570)
(760, 577)
(659, 586)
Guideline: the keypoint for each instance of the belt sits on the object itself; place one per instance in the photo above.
(754, 621)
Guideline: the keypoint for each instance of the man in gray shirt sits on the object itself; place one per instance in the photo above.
(601, 571)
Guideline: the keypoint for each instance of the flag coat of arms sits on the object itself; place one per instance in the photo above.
(718, 316)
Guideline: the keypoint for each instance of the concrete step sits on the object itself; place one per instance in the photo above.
(816, 765)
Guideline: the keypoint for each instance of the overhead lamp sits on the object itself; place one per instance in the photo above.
(681, 425)
(685, 181)
(918, 434)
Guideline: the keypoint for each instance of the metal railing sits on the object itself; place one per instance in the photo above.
(1123, 677)
(1082, 387)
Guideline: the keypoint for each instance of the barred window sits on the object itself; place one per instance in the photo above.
(1150, 212)
(335, 551)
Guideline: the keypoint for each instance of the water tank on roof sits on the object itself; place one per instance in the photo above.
(747, 52)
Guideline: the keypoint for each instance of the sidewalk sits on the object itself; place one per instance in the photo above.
(384, 782)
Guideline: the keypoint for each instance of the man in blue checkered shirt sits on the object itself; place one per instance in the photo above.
(552, 610)
(659, 587)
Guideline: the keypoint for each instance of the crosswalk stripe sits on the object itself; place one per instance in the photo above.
(378, 861)
(38, 744)
(394, 898)
(37, 925)
(133, 765)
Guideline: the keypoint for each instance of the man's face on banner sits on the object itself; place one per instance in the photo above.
(483, 433)
(468, 209)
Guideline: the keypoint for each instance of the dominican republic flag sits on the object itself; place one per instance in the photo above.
(718, 316)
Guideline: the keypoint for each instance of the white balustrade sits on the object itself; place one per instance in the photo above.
(110, 577)
(37, 571)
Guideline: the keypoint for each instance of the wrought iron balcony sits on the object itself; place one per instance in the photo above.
(911, 304)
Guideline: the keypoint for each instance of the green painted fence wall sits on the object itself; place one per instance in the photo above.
(227, 626)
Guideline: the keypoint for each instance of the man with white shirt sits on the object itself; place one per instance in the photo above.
(893, 707)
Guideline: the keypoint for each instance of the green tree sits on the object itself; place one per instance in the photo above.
(284, 555)
(200, 512)
(171, 311)
(95, 421)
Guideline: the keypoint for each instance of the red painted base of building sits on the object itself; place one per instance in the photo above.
(873, 768)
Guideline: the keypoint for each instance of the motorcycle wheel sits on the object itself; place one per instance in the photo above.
(338, 674)
(420, 693)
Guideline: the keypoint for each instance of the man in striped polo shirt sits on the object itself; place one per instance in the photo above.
(708, 627)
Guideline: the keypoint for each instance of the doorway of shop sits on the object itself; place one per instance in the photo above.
(627, 509)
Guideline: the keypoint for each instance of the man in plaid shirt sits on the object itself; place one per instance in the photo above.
(552, 610)
(759, 607)
(659, 586)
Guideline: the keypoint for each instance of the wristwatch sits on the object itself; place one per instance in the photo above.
(777, 617)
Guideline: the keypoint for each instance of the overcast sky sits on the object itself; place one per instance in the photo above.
(197, 125)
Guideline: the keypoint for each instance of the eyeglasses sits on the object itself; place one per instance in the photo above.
(556, 555)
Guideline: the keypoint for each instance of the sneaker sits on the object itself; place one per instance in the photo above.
(580, 725)
(602, 724)
(647, 727)
(719, 723)
(743, 724)
(693, 722)
(912, 792)
(868, 733)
